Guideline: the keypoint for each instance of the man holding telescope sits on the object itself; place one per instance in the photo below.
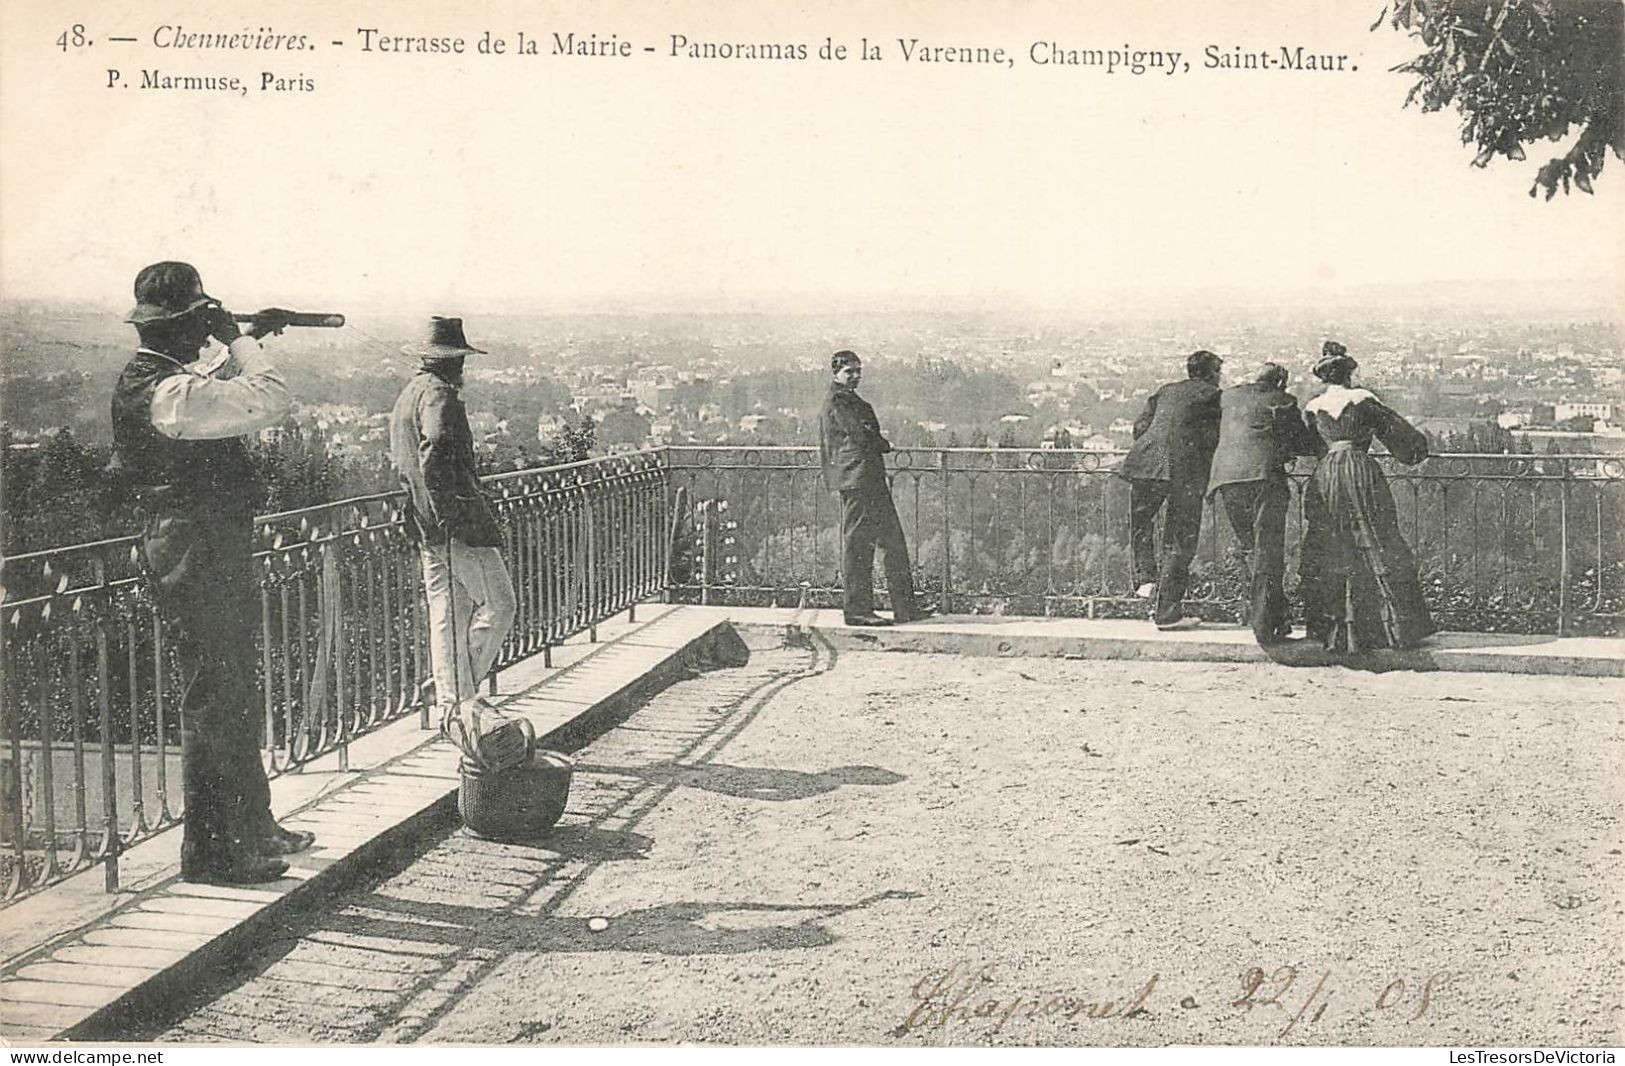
(177, 440)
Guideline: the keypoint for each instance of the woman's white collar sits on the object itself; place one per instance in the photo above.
(1336, 398)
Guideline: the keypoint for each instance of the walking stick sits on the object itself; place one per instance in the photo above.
(456, 658)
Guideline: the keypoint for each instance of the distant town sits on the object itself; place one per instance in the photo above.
(1474, 382)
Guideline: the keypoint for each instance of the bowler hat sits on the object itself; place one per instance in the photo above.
(167, 290)
(445, 341)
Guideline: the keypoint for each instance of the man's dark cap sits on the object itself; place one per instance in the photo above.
(167, 290)
(844, 357)
(446, 341)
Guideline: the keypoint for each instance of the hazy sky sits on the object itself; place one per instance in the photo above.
(493, 182)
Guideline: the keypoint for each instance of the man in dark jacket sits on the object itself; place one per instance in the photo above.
(177, 445)
(1168, 465)
(471, 597)
(851, 447)
(1260, 432)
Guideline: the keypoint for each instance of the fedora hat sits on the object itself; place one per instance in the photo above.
(167, 290)
(445, 341)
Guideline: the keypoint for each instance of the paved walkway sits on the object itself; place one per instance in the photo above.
(785, 852)
(77, 960)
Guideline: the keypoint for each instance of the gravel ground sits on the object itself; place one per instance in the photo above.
(909, 850)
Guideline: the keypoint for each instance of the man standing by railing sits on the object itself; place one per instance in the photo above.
(1167, 466)
(1261, 431)
(471, 597)
(852, 449)
(177, 443)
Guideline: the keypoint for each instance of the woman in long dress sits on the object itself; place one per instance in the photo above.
(1358, 576)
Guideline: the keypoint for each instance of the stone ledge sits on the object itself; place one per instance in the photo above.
(1080, 638)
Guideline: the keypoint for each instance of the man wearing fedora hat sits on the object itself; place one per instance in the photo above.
(177, 441)
(471, 597)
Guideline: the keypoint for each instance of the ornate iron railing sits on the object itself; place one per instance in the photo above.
(89, 761)
(1504, 542)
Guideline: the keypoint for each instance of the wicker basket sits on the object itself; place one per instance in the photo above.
(518, 803)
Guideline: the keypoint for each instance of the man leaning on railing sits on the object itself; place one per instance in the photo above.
(177, 442)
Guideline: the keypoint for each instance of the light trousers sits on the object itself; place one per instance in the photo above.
(471, 609)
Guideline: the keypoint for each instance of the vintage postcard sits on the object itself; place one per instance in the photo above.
(996, 524)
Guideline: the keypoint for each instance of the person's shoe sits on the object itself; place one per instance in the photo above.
(928, 610)
(1188, 622)
(1146, 590)
(454, 722)
(280, 841)
(479, 703)
(868, 620)
(239, 869)
(1278, 635)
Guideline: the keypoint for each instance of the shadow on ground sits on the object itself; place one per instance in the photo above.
(751, 782)
(683, 928)
(384, 961)
(1305, 652)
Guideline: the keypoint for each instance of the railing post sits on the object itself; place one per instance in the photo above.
(340, 646)
(947, 537)
(162, 734)
(112, 842)
(595, 587)
(267, 669)
(138, 806)
(680, 509)
(707, 551)
(76, 700)
(1564, 574)
(12, 710)
(47, 747)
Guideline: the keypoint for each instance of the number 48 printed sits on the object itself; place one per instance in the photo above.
(73, 37)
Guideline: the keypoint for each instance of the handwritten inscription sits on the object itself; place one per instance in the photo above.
(969, 993)
(963, 993)
(1277, 990)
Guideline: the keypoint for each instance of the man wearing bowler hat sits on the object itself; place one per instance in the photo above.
(471, 598)
(177, 442)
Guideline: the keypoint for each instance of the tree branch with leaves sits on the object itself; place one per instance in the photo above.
(1521, 71)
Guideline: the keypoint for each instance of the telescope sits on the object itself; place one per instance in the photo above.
(298, 318)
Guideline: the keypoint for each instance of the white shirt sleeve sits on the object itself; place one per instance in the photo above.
(243, 395)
